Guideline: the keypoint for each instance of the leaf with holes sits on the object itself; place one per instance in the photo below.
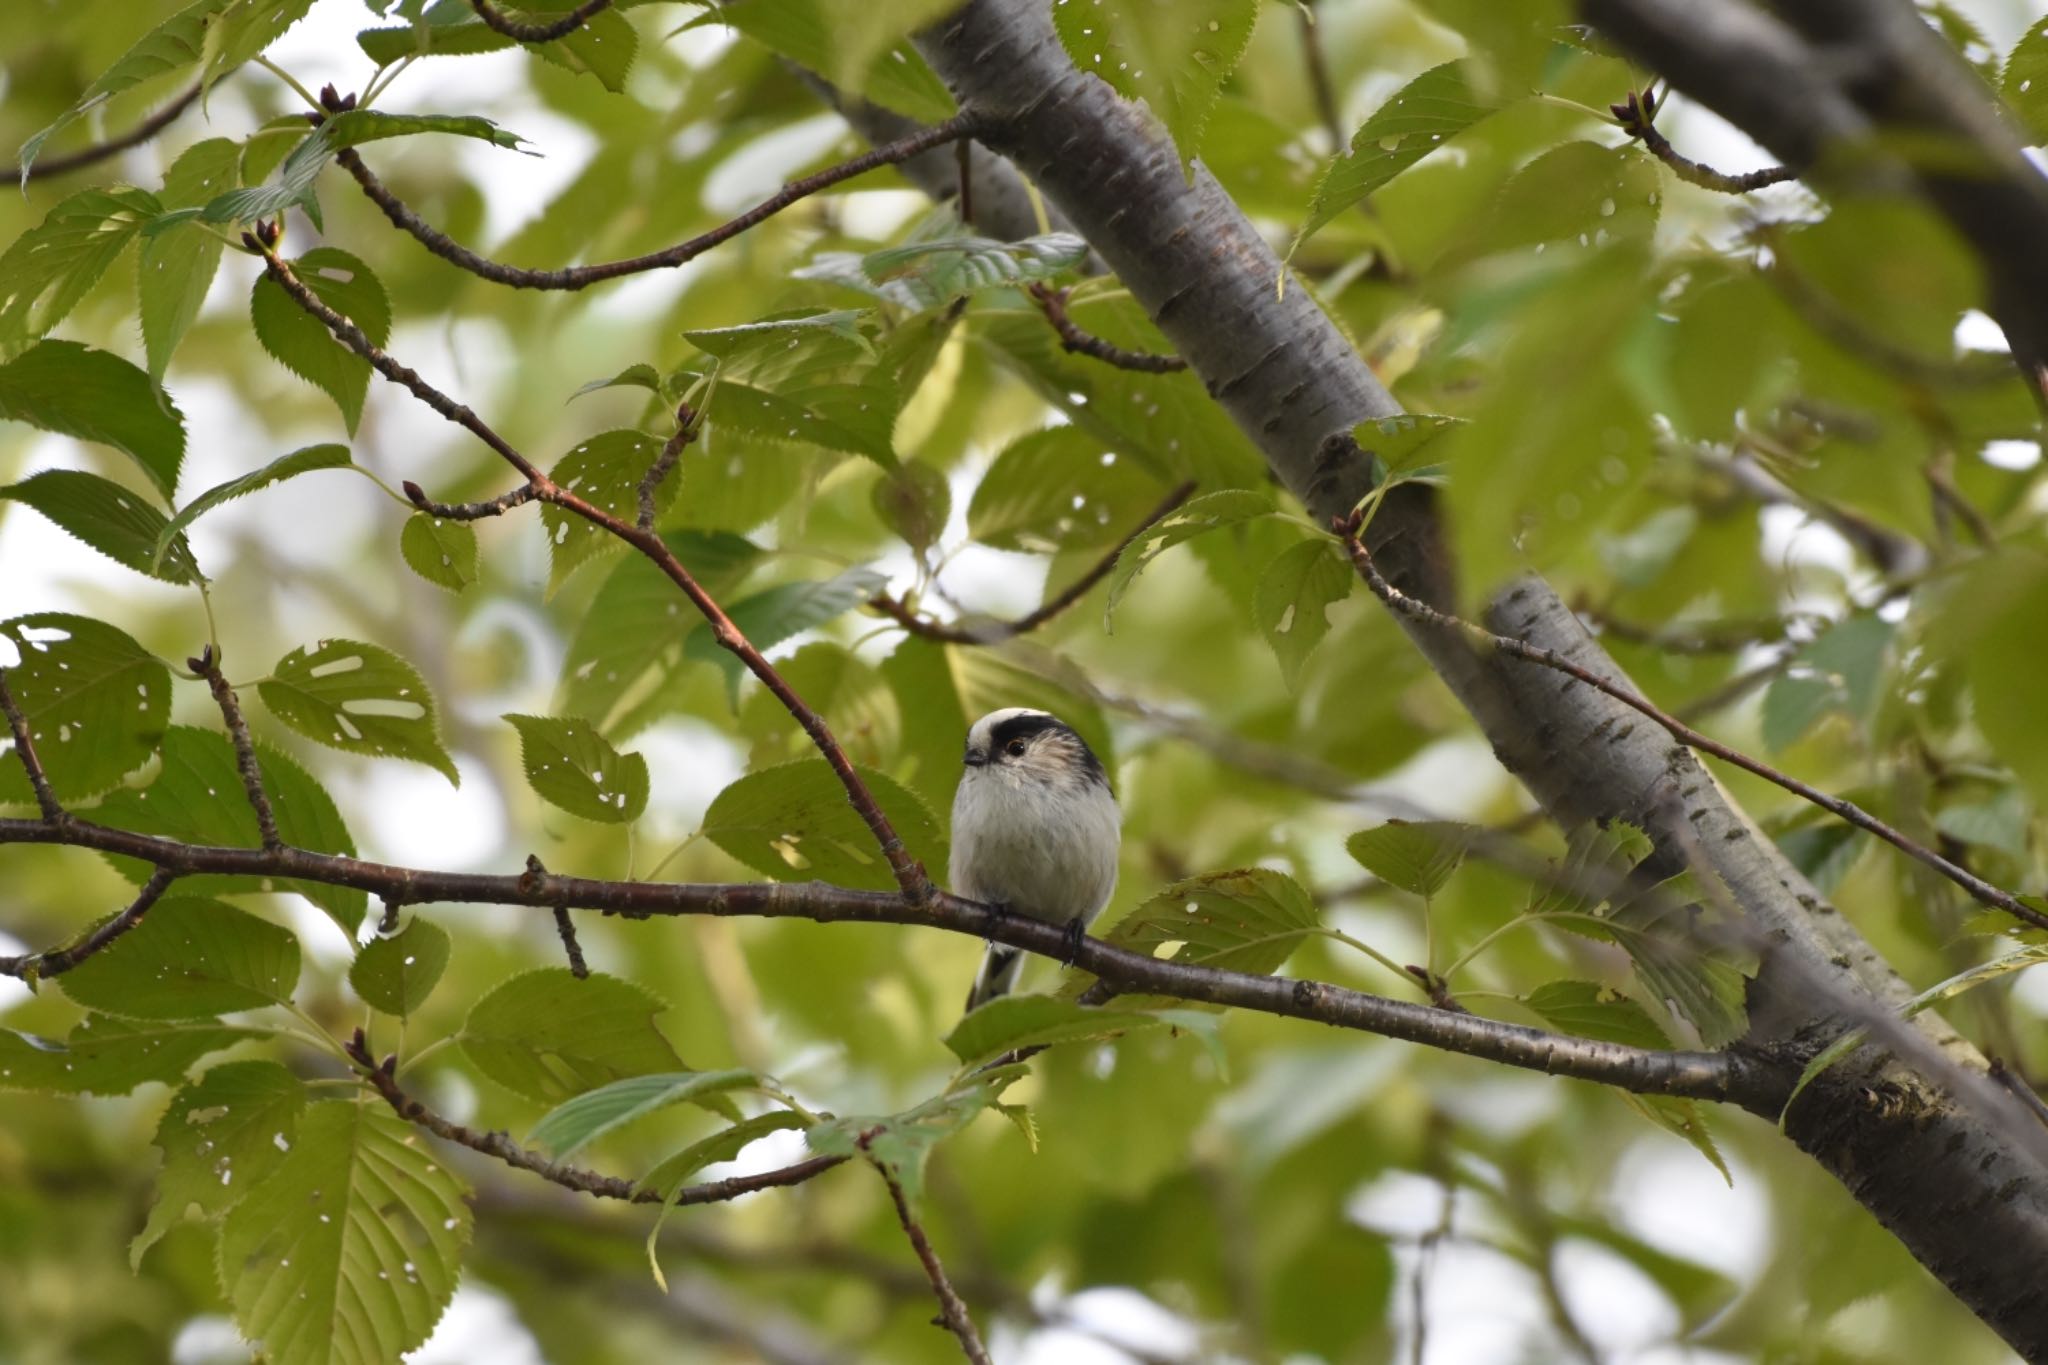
(574, 1124)
(196, 799)
(221, 1138)
(775, 614)
(119, 524)
(550, 1036)
(900, 1143)
(1293, 600)
(605, 471)
(187, 959)
(1210, 512)
(570, 765)
(301, 461)
(442, 552)
(1248, 920)
(1173, 54)
(74, 390)
(96, 703)
(348, 1252)
(921, 275)
(359, 698)
(396, 973)
(53, 265)
(1011, 1022)
(2025, 82)
(794, 823)
(1417, 856)
(1059, 489)
(301, 342)
(108, 1055)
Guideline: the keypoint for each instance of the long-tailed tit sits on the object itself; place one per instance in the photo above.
(1035, 831)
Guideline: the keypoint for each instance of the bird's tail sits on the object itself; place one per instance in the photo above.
(998, 974)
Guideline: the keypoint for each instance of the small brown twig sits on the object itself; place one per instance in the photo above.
(470, 511)
(1319, 75)
(25, 750)
(1979, 889)
(207, 666)
(953, 1314)
(59, 960)
(567, 929)
(965, 125)
(1053, 303)
(994, 632)
(2020, 1089)
(1636, 115)
(528, 32)
(100, 151)
(383, 1076)
(671, 451)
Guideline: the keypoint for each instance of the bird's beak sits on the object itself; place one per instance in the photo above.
(975, 759)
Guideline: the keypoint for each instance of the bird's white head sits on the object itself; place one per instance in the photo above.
(1019, 744)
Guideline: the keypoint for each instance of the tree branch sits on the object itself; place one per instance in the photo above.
(100, 151)
(527, 31)
(994, 632)
(207, 666)
(582, 276)
(953, 1314)
(55, 961)
(1636, 115)
(25, 750)
(671, 451)
(1053, 303)
(470, 511)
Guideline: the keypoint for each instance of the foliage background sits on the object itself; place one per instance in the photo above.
(1600, 324)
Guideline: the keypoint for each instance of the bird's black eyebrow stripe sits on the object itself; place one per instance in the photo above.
(1022, 727)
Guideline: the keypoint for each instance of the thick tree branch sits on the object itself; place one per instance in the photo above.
(953, 1314)
(207, 666)
(34, 966)
(581, 277)
(25, 750)
(100, 151)
(1053, 303)
(527, 31)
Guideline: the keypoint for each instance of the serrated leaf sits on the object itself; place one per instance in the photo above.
(640, 375)
(396, 973)
(96, 703)
(723, 1145)
(107, 1055)
(359, 698)
(914, 501)
(1417, 856)
(1210, 512)
(780, 335)
(1059, 489)
(1583, 191)
(605, 471)
(442, 552)
(897, 79)
(1011, 1022)
(1685, 1118)
(550, 1035)
(570, 765)
(348, 1251)
(1173, 54)
(53, 265)
(301, 342)
(119, 524)
(855, 418)
(245, 28)
(775, 614)
(1588, 1010)
(2000, 822)
(196, 799)
(574, 1124)
(1293, 600)
(2025, 82)
(794, 823)
(304, 460)
(74, 390)
(1402, 443)
(222, 1136)
(173, 273)
(1248, 920)
(188, 959)
(900, 1143)
(931, 274)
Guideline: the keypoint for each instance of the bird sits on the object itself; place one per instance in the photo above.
(1036, 831)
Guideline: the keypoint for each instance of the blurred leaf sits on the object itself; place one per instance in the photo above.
(53, 265)
(775, 614)
(359, 698)
(931, 274)
(1210, 512)
(1294, 596)
(1824, 851)
(176, 42)
(304, 460)
(1172, 54)
(914, 501)
(1839, 671)
(74, 390)
(1248, 920)
(855, 418)
(2025, 83)
(1402, 443)
(1058, 489)
(1417, 856)
(301, 342)
(396, 973)
(723, 1145)
(1686, 1119)
(605, 471)
(1587, 1010)
(1010, 1022)
(898, 79)
(1332, 1292)
(188, 959)
(548, 1035)
(2000, 822)
(570, 765)
(222, 1137)
(1583, 191)
(900, 1143)
(794, 823)
(106, 1055)
(96, 703)
(574, 1124)
(177, 265)
(442, 552)
(240, 29)
(119, 524)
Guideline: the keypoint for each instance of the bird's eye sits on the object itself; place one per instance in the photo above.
(1015, 748)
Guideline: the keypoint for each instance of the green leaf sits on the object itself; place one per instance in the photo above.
(301, 461)
(397, 973)
(1173, 54)
(1059, 489)
(244, 29)
(2000, 822)
(174, 272)
(855, 418)
(1839, 671)
(573, 1125)
(53, 265)
(899, 1143)
(1421, 117)
(2025, 83)
(106, 1055)
(549, 1035)
(931, 274)
(442, 552)
(359, 698)
(1587, 1010)
(221, 1138)
(636, 376)
(779, 335)
(1249, 920)
(74, 390)
(570, 765)
(775, 614)
(96, 703)
(384, 46)
(1293, 600)
(794, 823)
(301, 342)
(1417, 856)
(188, 959)
(1210, 512)
(119, 524)
(605, 471)
(348, 1252)
(1011, 1022)
(723, 1145)
(914, 501)
(1401, 444)
(196, 799)
(1685, 1118)
(898, 78)
(1583, 191)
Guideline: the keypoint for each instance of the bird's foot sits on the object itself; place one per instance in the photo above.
(1077, 930)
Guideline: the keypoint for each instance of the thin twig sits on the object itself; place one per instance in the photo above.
(2025, 1093)
(402, 215)
(100, 151)
(671, 451)
(953, 1314)
(1319, 75)
(528, 32)
(207, 666)
(1718, 637)
(1979, 889)
(1635, 116)
(384, 1077)
(910, 874)
(25, 750)
(470, 511)
(993, 632)
(59, 960)
(1053, 303)
(567, 929)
